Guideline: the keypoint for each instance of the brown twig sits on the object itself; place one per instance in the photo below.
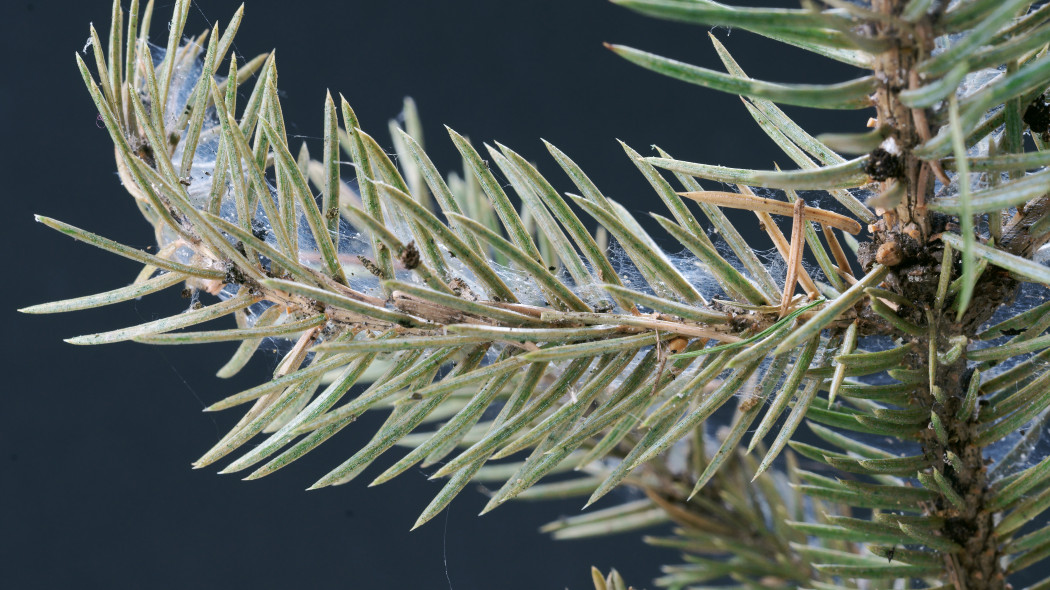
(762, 204)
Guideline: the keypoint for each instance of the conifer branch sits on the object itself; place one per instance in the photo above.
(486, 324)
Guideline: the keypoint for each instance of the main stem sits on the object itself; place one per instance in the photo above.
(902, 241)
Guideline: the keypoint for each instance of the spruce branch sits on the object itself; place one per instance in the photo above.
(446, 303)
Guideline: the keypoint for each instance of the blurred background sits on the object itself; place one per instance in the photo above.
(96, 488)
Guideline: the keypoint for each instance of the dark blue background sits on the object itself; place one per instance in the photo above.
(95, 446)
